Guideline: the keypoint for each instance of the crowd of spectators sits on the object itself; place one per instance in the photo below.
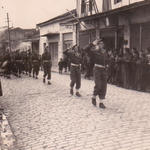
(127, 68)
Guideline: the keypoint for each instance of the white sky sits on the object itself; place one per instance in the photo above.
(27, 13)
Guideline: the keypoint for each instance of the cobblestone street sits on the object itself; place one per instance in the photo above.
(46, 117)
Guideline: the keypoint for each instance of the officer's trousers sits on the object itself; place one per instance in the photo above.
(75, 76)
(47, 70)
(100, 79)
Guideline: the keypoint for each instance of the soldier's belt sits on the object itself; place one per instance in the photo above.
(46, 61)
(76, 65)
(19, 60)
(100, 66)
(35, 60)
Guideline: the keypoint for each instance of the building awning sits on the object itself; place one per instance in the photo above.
(116, 11)
(36, 39)
(50, 34)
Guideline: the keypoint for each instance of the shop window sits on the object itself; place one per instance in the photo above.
(117, 1)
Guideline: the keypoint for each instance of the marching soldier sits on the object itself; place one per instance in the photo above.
(46, 61)
(98, 53)
(7, 65)
(29, 61)
(19, 63)
(36, 65)
(75, 70)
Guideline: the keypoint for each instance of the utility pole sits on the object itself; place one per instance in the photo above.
(9, 40)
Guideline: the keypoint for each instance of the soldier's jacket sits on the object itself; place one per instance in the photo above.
(18, 57)
(35, 58)
(97, 56)
(46, 58)
(7, 57)
(73, 56)
(29, 58)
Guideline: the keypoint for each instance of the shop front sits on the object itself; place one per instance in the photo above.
(86, 37)
(53, 41)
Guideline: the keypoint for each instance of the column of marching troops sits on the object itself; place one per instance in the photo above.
(128, 68)
(26, 62)
(18, 63)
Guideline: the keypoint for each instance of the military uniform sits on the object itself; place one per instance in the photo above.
(36, 65)
(19, 63)
(99, 56)
(7, 60)
(47, 64)
(60, 65)
(75, 69)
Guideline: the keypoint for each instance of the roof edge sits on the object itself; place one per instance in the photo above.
(56, 19)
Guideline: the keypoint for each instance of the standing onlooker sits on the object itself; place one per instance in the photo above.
(118, 66)
(126, 68)
(60, 65)
(111, 68)
(134, 68)
(148, 69)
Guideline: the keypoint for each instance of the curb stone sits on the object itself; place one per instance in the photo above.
(7, 139)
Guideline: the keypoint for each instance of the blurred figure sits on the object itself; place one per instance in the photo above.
(134, 69)
(29, 61)
(7, 65)
(47, 64)
(19, 63)
(118, 66)
(126, 67)
(111, 68)
(36, 64)
(60, 66)
(148, 69)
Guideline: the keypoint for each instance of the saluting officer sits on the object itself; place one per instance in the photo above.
(36, 65)
(75, 68)
(47, 64)
(97, 52)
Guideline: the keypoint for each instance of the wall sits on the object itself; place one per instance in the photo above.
(123, 3)
(100, 3)
(56, 28)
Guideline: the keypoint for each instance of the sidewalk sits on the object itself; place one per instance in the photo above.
(7, 139)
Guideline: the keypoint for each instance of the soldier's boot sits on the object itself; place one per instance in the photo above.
(94, 101)
(49, 83)
(71, 91)
(78, 94)
(36, 77)
(101, 105)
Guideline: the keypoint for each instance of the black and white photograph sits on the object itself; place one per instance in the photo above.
(74, 74)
